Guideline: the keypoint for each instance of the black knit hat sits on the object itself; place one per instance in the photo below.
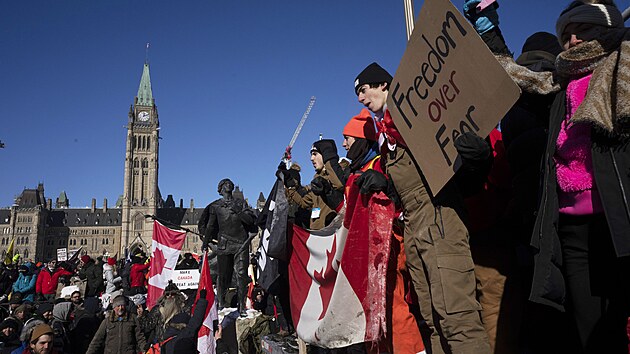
(44, 307)
(543, 41)
(321, 145)
(372, 74)
(9, 322)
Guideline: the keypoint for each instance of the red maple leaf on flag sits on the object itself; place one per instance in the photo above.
(158, 260)
(326, 288)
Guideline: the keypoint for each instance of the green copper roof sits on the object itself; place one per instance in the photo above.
(62, 196)
(145, 95)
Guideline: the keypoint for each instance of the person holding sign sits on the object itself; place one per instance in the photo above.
(435, 237)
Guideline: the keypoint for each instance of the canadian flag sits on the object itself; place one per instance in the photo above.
(165, 249)
(206, 343)
(337, 275)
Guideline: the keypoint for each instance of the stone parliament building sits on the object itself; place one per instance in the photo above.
(41, 228)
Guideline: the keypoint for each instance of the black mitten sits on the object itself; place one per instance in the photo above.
(292, 178)
(471, 147)
(371, 181)
(320, 186)
(477, 161)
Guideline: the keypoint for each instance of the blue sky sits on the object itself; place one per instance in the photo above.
(231, 80)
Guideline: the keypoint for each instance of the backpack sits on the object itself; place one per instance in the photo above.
(156, 348)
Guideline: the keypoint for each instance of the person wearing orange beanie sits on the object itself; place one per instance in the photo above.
(360, 142)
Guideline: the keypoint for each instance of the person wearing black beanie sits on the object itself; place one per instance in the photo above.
(324, 195)
(458, 331)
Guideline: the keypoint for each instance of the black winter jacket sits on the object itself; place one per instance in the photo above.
(611, 169)
(94, 276)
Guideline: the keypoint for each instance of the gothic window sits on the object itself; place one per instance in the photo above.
(3, 241)
(27, 240)
(138, 222)
(26, 253)
(145, 163)
(136, 164)
(148, 142)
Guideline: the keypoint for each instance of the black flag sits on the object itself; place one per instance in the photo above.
(273, 242)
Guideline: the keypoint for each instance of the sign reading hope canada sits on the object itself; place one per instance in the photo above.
(448, 83)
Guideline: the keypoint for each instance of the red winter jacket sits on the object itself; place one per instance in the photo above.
(136, 275)
(47, 281)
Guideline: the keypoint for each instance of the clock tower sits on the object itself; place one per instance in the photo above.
(141, 194)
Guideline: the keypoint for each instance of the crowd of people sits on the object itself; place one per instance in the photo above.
(93, 306)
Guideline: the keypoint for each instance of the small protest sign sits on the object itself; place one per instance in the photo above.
(186, 278)
(62, 254)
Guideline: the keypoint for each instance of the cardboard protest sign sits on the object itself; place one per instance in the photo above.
(448, 82)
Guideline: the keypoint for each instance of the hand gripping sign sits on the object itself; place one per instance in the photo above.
(448, 83)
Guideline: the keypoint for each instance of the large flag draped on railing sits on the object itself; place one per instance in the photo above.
(206, 343)
(337, 274)
(165, 249)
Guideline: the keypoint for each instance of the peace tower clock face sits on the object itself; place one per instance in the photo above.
(143, 116)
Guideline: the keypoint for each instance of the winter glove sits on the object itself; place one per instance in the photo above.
(203, 293)
(477, 159)
(327, 149)
(333, 198)
(483, 21)
(371, 181)
(292, 178)
(472, 148)
(320, 186)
